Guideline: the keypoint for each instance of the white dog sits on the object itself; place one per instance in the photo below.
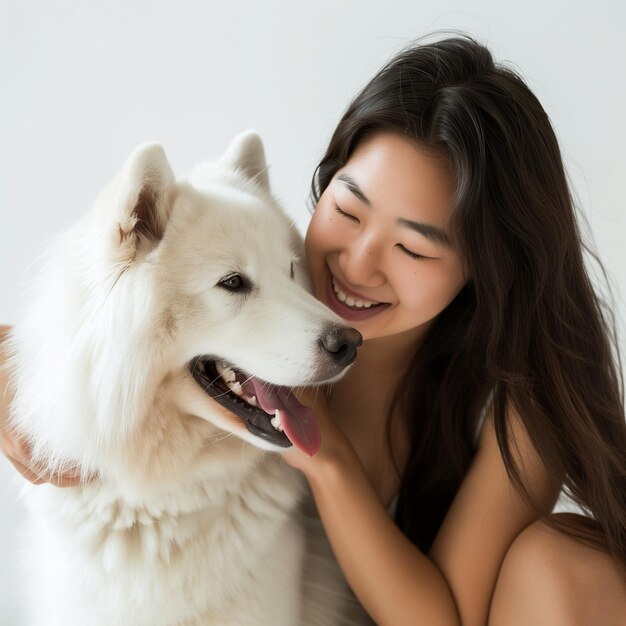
(167, 291)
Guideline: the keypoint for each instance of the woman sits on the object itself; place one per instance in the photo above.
(444, 231)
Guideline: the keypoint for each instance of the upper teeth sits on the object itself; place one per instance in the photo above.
(234, 385)
(349, 300)
(225, 372)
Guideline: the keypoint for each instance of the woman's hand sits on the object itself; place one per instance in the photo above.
(335, 445)
(18, 452)
(14, 447)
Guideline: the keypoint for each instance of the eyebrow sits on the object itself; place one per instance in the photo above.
(434, 233)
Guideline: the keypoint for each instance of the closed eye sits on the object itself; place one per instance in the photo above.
(413, 255)
(355, 219)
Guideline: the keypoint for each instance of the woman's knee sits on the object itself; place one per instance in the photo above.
(547, 577)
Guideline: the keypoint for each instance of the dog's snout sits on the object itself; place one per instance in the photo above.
(341, 343)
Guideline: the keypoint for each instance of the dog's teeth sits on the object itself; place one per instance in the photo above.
(276, 421)
(236, 388)
(225, 372)
(253, 401)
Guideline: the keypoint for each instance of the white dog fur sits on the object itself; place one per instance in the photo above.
(193, 519)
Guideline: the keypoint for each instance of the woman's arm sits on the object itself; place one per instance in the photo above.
(397, 583)
(394, 581)
(15, 448)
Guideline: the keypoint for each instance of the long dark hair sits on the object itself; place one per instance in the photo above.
(528, 327)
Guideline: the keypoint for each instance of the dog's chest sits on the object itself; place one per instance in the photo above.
(168, 560)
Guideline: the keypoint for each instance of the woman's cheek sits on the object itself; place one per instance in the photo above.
(316, 244)
(428, 293)
(444, 287)
(320, 234)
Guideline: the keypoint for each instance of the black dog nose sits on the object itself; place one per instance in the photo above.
(341, 343)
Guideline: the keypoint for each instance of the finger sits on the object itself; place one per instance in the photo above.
(17, 448)
(19, 454)
(27, 473)
(66, 481)
(69, 478)
(23, 447)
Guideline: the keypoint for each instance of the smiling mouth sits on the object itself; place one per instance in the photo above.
(270, 412)
(347, 312)
(337, 287)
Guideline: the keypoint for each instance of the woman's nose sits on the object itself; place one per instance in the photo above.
(362, 261)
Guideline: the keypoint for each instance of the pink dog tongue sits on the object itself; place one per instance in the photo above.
(299, 421)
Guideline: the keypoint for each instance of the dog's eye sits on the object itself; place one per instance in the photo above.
(235, 282)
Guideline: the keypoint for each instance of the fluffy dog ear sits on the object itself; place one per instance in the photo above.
(246, 153)
(145, 194)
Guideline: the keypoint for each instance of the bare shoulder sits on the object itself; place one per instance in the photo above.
(486, 515)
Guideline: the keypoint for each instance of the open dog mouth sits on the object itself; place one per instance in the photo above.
(270, 412)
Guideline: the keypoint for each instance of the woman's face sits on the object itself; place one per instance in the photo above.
(386, 184)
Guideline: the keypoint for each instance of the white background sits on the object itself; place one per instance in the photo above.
(82, 84)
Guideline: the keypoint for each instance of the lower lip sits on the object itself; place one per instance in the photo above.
(345, 311)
